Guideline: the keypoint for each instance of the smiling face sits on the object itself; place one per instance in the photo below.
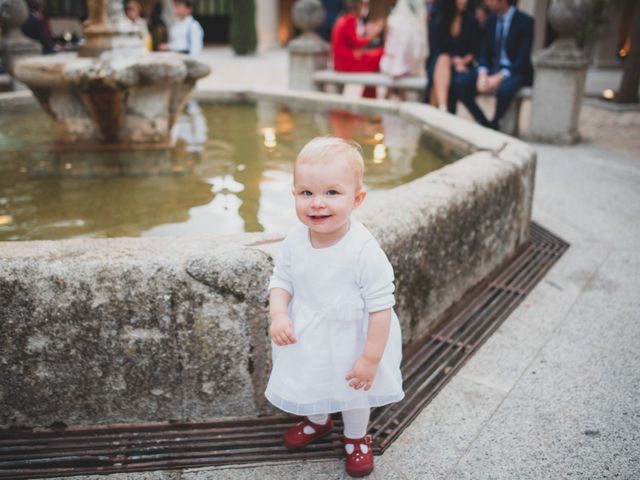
(326, 191)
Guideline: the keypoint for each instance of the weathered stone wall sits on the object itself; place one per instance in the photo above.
(154, 329)
(106, 331)
(456, 226)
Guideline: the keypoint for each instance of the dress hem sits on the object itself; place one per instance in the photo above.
(331, 406)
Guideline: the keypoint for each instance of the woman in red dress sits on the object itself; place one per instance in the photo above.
(349, 52)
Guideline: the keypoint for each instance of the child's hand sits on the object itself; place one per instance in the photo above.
(281, 331)
(362, 374)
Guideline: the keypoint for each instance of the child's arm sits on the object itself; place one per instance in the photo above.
(281, 329)
(365, 369)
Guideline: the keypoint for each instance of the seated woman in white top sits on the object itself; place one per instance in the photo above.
(132, 10)
(405, 47)
(186, 34)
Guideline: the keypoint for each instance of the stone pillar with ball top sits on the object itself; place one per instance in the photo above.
(13, 44)
(560, 73)
(307, 52)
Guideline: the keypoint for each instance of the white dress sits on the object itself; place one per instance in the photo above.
(405, 46)
(333, 291)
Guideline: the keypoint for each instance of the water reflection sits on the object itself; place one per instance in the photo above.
(229, 172)
(401, 140)
(191, 127)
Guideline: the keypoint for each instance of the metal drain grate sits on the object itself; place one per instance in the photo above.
(428, 364)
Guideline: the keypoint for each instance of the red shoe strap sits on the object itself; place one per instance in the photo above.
(366, 440)
(306, 421)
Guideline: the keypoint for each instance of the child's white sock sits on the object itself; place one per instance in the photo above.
(319, 419)
(356, 422)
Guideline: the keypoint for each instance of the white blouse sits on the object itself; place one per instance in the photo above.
(186, 36)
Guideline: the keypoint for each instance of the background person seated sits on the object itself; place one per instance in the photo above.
(454, 40)
(36, 26)
(349, 49)
(504, 62)
(157, 28)
(405, 46)
(132, 10)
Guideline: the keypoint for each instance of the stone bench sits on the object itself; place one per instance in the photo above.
(412, 88)
(509, 123)
(5, 82)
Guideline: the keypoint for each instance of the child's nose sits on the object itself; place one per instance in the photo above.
(318, 201)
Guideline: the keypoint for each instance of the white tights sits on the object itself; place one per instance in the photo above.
(355, 421)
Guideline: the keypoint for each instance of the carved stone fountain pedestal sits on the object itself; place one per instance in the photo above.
(113, 94)
(122, 102)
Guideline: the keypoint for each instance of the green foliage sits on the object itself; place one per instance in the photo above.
(243, 27)
(600, 11)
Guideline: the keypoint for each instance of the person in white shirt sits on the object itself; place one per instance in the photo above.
(186, 34)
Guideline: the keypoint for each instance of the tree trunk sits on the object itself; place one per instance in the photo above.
(628, 89)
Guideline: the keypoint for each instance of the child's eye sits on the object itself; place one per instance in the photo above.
(305, 193)
(332, 192)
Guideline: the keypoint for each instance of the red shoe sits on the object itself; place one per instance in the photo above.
(360, 459)
(296, 437)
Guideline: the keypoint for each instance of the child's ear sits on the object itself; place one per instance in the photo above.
(359, 198)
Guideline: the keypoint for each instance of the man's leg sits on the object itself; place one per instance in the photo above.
(505, 93)
(452, 99)
(464, 86)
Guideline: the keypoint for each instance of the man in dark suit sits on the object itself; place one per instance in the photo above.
(504, 62)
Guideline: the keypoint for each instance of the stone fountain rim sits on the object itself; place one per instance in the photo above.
(480, 144)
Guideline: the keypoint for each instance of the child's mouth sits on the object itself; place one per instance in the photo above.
(318, 218)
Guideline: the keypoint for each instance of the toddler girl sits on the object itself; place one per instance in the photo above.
(336, 339)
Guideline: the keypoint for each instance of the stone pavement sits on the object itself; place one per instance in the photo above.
(555, 392)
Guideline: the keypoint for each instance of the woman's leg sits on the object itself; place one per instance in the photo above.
(356, 422)
(442, 81)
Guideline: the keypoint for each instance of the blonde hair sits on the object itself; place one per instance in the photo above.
(321, 149)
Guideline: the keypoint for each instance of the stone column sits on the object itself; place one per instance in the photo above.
(308, 52)
(560, 77)
(538, 10)
(14, 46)
(108, 32)
(267, 24)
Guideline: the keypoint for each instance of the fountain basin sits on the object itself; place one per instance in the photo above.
(153, 329)
(229, 171)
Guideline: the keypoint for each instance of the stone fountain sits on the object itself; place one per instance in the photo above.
(113, 93)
